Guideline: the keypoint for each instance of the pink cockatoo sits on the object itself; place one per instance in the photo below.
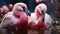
(36, 19)
(5, 8)
(10, 6)
(38, 1)
(15, 22)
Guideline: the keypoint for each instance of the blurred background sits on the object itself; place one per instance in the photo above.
(53, 5)
(53, 9)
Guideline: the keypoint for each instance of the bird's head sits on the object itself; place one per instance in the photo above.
(5, 8)
(19, 6)
(41, 8)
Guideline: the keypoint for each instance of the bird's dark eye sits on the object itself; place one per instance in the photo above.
(23, 8)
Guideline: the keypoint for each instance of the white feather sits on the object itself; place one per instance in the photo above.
(48, 20)
(33, 18)
(10, 19)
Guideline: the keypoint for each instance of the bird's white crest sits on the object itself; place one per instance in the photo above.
(37, 8)
(41, 7)
(19, 6)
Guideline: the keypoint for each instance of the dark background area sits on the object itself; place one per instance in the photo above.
(32, 4)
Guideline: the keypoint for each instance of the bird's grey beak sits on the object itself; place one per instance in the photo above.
(43, 16)
(27, 11)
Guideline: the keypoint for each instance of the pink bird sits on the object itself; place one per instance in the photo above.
(15, 22)
(40, 19)
(10, 6)
(38, 1)
(5, 8)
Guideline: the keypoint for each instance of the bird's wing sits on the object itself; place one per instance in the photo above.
(7, 20)
(33, 18)
(48, 20)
